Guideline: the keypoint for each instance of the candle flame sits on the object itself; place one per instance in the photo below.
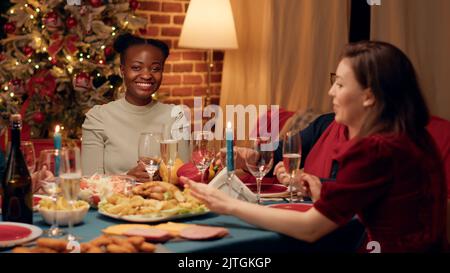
(57, 128)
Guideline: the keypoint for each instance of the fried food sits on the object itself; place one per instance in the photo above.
(22, 250)
(153, 199)
(147, 247)
(57, 245)
(101, 244)
(61, 204)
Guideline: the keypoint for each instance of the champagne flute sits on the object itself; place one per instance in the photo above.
(149, 153)
(292, 149)
(169, 153)
(70, 180)
(50, 185)
(203, 151)
(259, 161)
(29, 155)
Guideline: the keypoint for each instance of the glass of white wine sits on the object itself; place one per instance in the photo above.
(70, 180)
(292, 151)
(149, 152)
(50, 184)
(169, 153)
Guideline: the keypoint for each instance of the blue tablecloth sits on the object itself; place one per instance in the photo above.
(243, 237)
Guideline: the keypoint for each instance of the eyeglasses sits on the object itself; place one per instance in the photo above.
(332, 78)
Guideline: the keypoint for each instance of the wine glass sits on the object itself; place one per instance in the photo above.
(259, 161)
(29, 155)
(148, 152)
(50, 184)
(203, 151)
(70, 180)
(292, 150)
(169, 153)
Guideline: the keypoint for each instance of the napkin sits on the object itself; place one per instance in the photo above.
(237, 189)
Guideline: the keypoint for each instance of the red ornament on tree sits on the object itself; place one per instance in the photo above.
(28, 51)
(134, 4)
(96, 3)
(52, 21)
(71, 22)
(82, 82)
(38, 117)
(108, 51)
(10, 27)
(17, 86)
(42, 83)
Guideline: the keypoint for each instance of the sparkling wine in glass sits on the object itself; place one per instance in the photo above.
(70, 180)
(169, 153)
(203, 151)
(292, 150)
(259, 161)
(149, 152)
(50, 184)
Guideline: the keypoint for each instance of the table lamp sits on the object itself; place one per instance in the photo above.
(209, 25)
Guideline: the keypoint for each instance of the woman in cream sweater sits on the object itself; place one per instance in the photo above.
(111, 131)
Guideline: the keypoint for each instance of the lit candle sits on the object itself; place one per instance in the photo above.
(57, 143)
(230, 152)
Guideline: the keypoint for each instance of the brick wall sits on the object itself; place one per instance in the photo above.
(185, 74)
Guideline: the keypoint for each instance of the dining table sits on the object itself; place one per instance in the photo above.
(242, 237)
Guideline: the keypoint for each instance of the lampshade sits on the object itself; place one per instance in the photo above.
(209, 24)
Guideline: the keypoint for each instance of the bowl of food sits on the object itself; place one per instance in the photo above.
(61, 210)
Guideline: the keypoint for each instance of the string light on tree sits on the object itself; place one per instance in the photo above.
(48, 41)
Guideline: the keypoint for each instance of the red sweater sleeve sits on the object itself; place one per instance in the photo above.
(364, 176)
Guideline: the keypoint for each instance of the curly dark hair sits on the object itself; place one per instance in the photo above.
(127, 40)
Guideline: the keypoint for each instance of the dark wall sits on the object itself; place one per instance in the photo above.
(359, 21)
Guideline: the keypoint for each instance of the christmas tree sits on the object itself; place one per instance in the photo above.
(57, 60)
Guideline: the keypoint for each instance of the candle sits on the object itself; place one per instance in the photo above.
(57, 143)
(230, 152)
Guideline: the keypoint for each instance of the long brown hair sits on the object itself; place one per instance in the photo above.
(387, 71)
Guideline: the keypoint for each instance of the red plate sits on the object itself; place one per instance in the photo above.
(268, 188)
(296, 206)
(10, 232)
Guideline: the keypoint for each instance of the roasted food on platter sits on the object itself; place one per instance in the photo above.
(153, 199)
(158, 190)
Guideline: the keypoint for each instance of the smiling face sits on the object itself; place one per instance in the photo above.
(142, 72)
(351, 102)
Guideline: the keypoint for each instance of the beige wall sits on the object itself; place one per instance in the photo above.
(422, 30)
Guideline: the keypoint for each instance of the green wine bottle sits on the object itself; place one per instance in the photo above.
(17, 196)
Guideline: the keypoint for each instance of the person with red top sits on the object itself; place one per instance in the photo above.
(390, 173)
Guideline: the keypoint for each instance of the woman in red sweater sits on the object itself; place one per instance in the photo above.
(390, 173)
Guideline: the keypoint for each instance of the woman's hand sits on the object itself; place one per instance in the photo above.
(312, 185)
(281, 174)
(283, 178)
(139, 172)
(214, 199)
(39, 176)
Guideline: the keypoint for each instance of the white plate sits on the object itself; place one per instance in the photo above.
(35, 232)
(145, 219)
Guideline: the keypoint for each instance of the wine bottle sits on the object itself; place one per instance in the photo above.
(17, 199)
